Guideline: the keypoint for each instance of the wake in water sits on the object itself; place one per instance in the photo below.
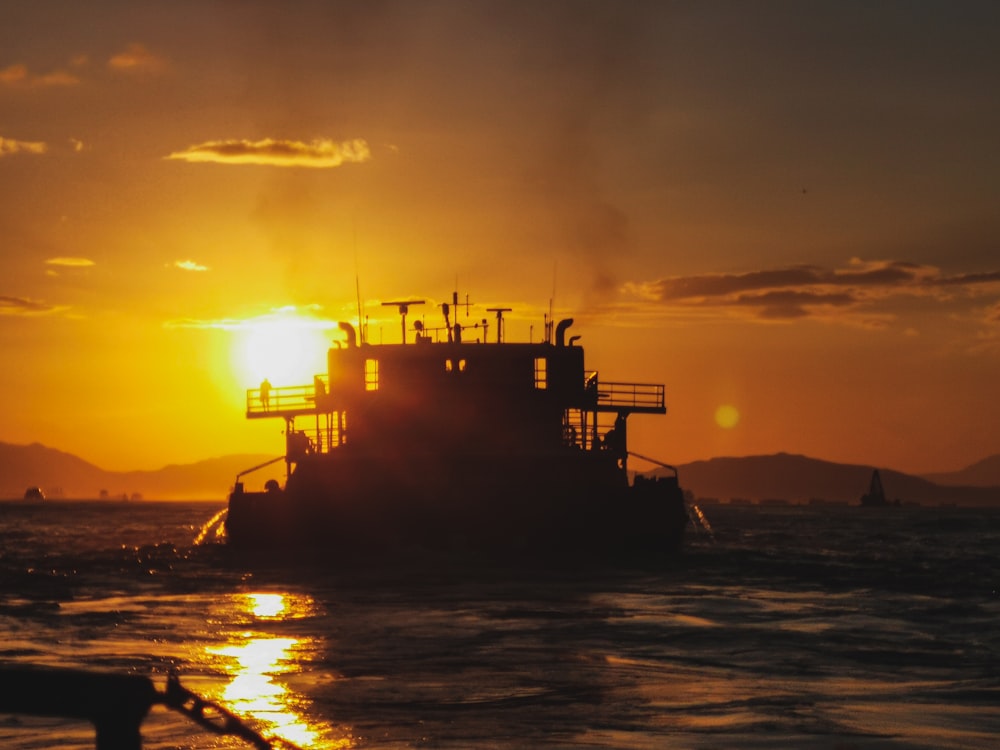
(213, 529)
(699, 522)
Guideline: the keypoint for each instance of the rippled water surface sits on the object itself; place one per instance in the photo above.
(783, 627)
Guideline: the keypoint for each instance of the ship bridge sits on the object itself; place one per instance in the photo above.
(456, 396)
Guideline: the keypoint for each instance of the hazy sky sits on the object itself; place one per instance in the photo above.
(791, 209)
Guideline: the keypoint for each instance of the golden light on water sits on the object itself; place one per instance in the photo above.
(214, 524)
(267, 605)
(259, 660)
(255, 692)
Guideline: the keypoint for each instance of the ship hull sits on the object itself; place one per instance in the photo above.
(570, 506)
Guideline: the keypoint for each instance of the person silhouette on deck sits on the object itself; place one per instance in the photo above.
(265, 394)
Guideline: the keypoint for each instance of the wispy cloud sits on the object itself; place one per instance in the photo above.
(189, 265)
(70, 262)
(18, 76)
(969, 279)
(307, 316)
(321, 153)
(25, 306)
(12, 146)
(137, 59)
(854, 294)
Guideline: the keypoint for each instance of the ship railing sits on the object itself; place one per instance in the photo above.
(283, 401)
(587, 429)
(633, 397)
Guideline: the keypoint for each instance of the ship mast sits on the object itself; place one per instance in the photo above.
(499, 311)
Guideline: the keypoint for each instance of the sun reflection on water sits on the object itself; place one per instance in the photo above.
(260, 659)
(267, 606)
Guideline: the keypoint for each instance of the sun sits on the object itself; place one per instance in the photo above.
(727, 416)
(287, 348)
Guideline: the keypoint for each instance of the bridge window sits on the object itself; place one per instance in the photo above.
(541, 373)
(371, 374)
(449, 365)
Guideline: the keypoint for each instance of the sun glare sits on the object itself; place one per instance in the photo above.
(286, 348)
(727, 416)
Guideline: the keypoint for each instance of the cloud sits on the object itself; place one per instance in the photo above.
(137, 59)
(11, 146)
(309, 316)
(789, 304)
(189, 265)
(24, 306)
(855, 294)
(969, 279)
(280, 153)
(715, 286)
(70, 262)
(987, 337)
(993, 313)
(18, 76)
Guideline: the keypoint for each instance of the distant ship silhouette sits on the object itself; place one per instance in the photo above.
(875, 496)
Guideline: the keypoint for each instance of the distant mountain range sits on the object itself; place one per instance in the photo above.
(985, 473)
(61, 474)
(794, 478)
(780, 476)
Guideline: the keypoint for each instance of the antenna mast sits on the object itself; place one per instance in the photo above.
(499, 311)
(357, 284)
(549, 324)
(361, 323)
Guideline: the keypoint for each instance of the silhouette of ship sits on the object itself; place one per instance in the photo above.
(459, 443)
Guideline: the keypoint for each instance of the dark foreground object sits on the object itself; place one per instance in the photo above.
(115, 704)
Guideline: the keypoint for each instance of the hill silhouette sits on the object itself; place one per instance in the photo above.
(985, 473)
(789, 477)
(799, 479)
(66, 475)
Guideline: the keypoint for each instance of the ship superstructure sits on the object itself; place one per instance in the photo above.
(453, 440)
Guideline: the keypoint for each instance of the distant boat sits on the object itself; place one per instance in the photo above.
(875, 497)
(34, 494)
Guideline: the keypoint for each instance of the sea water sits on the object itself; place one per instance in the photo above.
(794, 627)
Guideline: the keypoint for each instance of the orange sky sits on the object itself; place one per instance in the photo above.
(789, 210)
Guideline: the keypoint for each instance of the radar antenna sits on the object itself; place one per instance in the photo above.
(404, 307)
